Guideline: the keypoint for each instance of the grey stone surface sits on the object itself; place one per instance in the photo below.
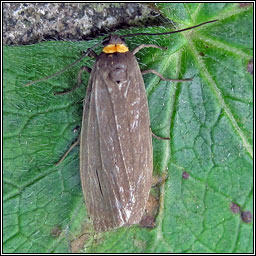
(27, 23)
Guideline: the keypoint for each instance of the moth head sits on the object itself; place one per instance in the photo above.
(113, 39)
(113, 44)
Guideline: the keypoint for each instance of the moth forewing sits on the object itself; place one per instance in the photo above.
(116, 143)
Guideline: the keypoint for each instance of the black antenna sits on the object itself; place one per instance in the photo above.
(127, 35)
(167, 33)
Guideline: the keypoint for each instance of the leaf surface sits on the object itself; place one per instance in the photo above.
(209, 121)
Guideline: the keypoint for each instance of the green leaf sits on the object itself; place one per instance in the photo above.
(209, 121)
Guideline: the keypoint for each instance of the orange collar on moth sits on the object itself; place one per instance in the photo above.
(112, 48)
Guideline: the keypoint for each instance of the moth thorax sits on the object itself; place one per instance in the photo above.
(118, 75)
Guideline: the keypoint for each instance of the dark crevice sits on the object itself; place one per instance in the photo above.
(99, 182)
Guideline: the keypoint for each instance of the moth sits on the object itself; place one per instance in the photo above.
(116, 155)
(116, 159)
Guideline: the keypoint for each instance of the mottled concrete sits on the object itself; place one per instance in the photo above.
(27, 23)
